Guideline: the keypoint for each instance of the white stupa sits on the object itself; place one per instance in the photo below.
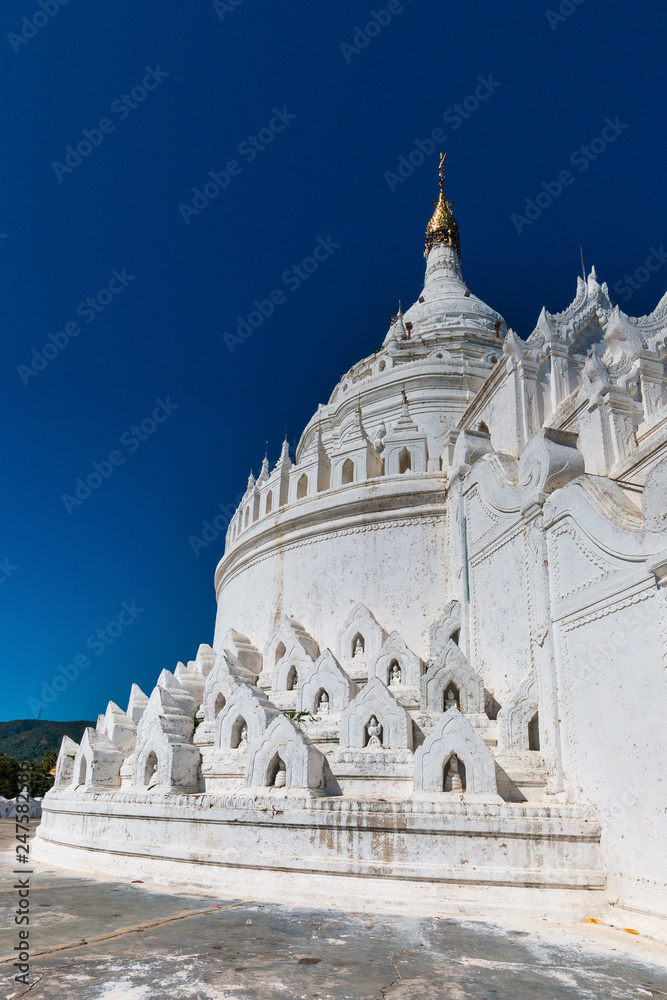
(437, 681)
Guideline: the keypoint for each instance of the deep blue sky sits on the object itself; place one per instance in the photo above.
(66, 575)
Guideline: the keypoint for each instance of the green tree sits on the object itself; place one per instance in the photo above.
(40, 779)
(8, 772)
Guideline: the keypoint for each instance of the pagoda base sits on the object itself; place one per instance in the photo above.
(443, 858)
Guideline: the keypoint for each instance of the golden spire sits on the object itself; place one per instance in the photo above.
(443, 228)
(398, 314)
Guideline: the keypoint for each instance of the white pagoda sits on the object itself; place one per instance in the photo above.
(437, 681)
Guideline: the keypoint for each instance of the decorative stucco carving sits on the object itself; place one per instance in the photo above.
(120, 728)
(249, 707)
(451, 667)
(97, 763)
(453, 735)
(282, 743)
(470, 446)
(326, 675)
(396, 659)
(375, 701)
(514, 717)
(289, 639)
(445, 628)
(223, 680)
(164, 757)
(360, 622)
(549, 461)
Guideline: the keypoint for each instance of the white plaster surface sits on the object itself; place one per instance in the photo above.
(465, 514)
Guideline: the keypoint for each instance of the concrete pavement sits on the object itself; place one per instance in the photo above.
(103, 940)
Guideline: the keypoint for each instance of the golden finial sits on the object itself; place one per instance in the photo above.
(404, 396)
(443, 157)
(442, 229)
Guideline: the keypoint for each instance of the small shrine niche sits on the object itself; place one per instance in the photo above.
(534, 733)
(373, 732)
(292, 679)
(220, 703)
(280, 652)
(150, 769)
(358, 645)
(395, 674)
(239, 736)
(277, 774)
(455, 636)
(322, 702)
(404, 461)
(454, 775)
(451, 698)
(302, 487)
(348, 471)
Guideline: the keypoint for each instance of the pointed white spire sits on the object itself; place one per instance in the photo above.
(284, 461)
(264, 472)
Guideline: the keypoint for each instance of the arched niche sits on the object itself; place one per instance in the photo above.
(150, 768)
(518, 719)
(396, 652)
(326, 675)
(360, 624)
(249, 707)
(447, 627)
(375, 699)
(282, 741)
(453, 735)
(452, 667)
(223, 680)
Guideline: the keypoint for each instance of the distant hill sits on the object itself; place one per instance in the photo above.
(27, 739)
